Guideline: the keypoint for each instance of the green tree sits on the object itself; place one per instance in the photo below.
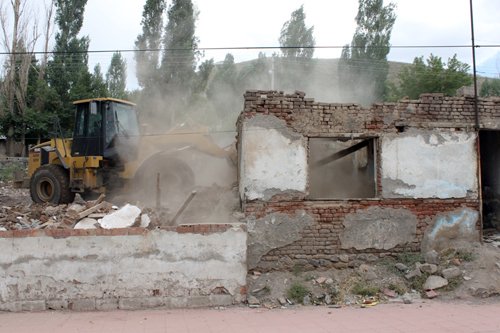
(431, 76)
(490, 87)
(98, 86)
(67, 72)
(297, 40)
(181, 48)
(148, 43)
(363, 66)
(116, 77)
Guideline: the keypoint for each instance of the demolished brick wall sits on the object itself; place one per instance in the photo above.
(320, 244)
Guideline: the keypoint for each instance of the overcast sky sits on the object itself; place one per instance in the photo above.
(115, 24)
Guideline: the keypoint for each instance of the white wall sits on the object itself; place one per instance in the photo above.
(157, 266)
(429, 164)
(273, 159)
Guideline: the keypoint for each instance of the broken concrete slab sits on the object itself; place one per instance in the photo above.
(122, 218)
(86, 223)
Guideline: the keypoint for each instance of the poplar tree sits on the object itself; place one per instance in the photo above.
(297, 40)
(116, 77)
(181, 49)
(148, 44)
(363, 67)
(67, 72)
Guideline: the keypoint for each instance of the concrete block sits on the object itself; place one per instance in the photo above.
(134, 303)
(82, 304)
(30, 306)
(176, 302)
(106, 304)
(221, 300)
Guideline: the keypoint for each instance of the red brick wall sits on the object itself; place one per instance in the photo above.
(320, 244)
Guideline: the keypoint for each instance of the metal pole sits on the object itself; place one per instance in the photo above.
(476, 110)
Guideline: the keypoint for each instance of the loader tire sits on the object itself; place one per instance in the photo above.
(50, 184)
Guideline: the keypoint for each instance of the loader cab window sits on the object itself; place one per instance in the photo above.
(122, 133)
(88, 134)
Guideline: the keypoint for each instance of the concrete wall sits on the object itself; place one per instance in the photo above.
(199, 265)
(429, 164)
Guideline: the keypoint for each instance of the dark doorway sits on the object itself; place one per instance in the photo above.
(490, 177)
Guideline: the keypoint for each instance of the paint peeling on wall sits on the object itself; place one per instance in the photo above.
(429, 164)
(274, 159)
(450, 229)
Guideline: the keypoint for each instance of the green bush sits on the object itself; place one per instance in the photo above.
(296, 292)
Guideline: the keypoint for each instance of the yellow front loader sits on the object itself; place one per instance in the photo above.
(107, 152)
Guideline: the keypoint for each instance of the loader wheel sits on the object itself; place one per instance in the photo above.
(50, 183)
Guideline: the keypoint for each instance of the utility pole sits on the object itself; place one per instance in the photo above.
(474, 66)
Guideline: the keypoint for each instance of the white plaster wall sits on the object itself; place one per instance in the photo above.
(429, 164)
(173, 264)
(271, 161)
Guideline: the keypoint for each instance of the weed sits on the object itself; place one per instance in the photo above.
(363, 289)
(296, 292)
(297, 269)
(417, 282)
(453, 283)
(410, 258)
(465, 255)
(397, 287)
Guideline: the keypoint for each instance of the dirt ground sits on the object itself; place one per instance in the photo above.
(474, 270)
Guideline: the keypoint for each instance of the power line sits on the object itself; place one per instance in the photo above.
(254, 48)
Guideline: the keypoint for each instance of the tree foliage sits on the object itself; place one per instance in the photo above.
(148, 43)
(181, 48)
(363, 66)
(431, 76)
(297, 40)
(67, 72)
(490, 87)
(116, 77)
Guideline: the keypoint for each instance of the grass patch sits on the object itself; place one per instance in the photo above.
(363, 289)
(410, 258)
(297, 269)
(297, 292)
(7, 171)
(461, 254)
(398, 288)
(417, 283)
(453, 283)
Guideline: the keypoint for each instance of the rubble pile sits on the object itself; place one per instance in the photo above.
(78, 215)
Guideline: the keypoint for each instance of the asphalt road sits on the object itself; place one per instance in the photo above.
(429, 316)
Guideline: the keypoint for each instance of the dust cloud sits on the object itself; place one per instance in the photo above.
(188, 138)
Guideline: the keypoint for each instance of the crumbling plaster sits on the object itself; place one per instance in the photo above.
(429, 164)
(378, 228)
(451, 229)
(273, 231)
(273, 159)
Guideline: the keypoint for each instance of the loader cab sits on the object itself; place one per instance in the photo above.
(106, 127)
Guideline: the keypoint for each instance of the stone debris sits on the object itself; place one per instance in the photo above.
(78, 215)
(122, 218)
(451, 273)
(87, 223)
(435, 282)
(428, 268)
